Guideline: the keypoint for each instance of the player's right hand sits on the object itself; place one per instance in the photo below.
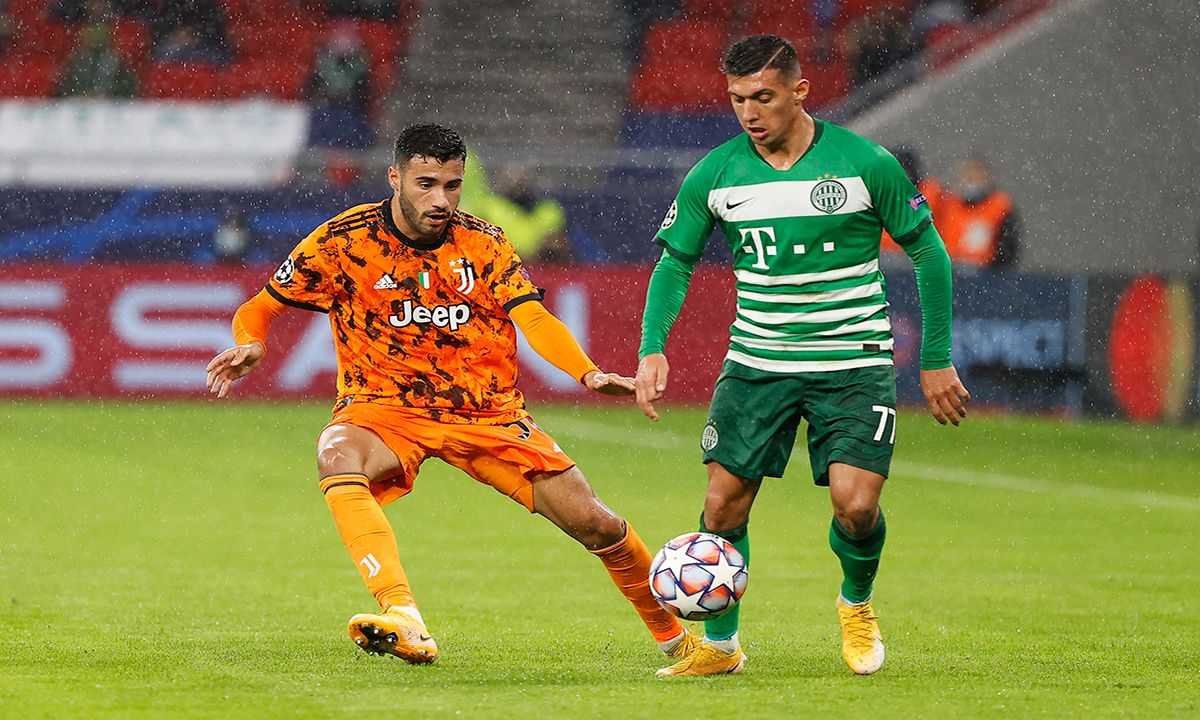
(946, 395)
(651, 383)
(232, 364)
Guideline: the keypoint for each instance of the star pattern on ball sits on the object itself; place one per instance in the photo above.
(723, 573)
(689, 606)
(674, 559)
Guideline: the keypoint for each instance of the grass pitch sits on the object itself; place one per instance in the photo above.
(177, 561)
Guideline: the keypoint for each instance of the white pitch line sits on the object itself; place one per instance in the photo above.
(1002, 481)
(637, 435)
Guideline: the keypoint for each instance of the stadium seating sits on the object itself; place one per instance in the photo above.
(274, 44)
(674, 71)
(28, 77)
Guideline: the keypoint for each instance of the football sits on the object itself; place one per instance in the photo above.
(698, 576)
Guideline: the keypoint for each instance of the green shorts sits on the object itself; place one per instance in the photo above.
(754, 416)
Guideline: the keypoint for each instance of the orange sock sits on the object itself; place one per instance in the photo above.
(628, 562)
(369, 538)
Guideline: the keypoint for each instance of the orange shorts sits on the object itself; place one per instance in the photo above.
(503, 456)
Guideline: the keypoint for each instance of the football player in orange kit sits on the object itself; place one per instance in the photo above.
(422, 299)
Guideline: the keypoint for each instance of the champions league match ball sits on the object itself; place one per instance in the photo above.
(698, 576)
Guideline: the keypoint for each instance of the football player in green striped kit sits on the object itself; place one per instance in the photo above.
(802, 204)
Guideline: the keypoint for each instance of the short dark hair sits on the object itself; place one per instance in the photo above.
(759, 52)
(428, 140)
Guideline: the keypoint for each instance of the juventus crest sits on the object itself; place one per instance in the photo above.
(466, 275)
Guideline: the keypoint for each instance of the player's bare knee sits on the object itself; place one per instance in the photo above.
(857, 517)
(337, 454)
(596, 527)
(609, 530)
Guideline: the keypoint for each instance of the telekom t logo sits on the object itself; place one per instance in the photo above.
(755, 244)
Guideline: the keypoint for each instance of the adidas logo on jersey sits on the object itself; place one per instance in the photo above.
(386, 283)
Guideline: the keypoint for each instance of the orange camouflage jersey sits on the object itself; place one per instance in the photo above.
(420, 325)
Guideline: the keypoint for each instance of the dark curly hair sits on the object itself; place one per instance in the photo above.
(759, 52)
(428, 140)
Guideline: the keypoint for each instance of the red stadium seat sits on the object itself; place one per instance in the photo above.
(383, 50)
(687, 42)
(790, 19)
(25, 9)
(678, 86)
(293, 40)
(264, 77)
(828, 82)
(131, 39)
(28, 77)
(38, 37)
(181, 82)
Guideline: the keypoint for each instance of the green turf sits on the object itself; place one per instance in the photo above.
(176, 560)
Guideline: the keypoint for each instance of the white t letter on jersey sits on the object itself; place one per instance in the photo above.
(755, 235)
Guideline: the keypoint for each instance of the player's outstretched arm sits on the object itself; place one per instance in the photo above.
(250, 325)
(608, 383)
(945, 394)
(551, 339)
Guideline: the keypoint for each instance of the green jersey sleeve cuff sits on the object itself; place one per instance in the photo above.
(683, 257)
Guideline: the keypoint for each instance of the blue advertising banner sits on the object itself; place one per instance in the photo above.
(1019, 339)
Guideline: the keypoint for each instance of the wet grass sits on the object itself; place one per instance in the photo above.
(177, 561)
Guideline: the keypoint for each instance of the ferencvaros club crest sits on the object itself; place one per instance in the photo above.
(828, 195)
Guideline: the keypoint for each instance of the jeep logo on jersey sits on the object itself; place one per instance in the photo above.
(451, 316)
(285, 271)
(669, 220)
(828, 195)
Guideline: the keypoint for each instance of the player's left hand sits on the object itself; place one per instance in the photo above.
(608, 383)
(945, 394)
(232, 364)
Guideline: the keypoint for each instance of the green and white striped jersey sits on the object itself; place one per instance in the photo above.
(810, 295)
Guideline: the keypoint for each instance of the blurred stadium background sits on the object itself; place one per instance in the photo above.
(133, 225)
(159, 158)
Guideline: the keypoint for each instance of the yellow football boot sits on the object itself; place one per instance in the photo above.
(706, 660)
(686, 645)
(862, 643)
(394, 632)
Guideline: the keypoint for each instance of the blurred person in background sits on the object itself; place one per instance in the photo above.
(802, 203)
(536, 225)
(978, 222)
(385, 10)
(341, 73)
(232, 240)
(339, 90)
(878, 41)
(930, 187)
(640, 15)
(8, 29)
(77, 11)
(424, 301)
(95, 69)
(188, 30)
(825, 16)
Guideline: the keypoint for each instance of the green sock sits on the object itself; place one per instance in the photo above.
(860, 558)
(726, 626)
